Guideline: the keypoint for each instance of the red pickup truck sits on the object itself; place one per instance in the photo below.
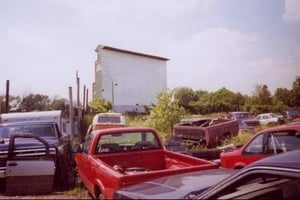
(111, 159)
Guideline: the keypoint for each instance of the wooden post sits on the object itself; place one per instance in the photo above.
(71, 113)
(7, 97)
(87, 100)
(78, 89)
(83, 102)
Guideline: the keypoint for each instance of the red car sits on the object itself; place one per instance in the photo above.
(264, 143)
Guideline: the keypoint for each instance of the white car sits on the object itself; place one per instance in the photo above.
(267, 118)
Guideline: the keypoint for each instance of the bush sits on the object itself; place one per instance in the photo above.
(165, 114)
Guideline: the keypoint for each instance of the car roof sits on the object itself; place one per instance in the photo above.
(265, 114)
(27, 123)
(122, 130)
(237, 112)
(290, 159)
(281, 127)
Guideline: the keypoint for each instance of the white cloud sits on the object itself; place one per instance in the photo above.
(211, 59)
(292, 10)
(274, 73)
(31, 39)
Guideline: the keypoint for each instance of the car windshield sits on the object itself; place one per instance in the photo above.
(42, 130)
(243, 115)
(109, 119)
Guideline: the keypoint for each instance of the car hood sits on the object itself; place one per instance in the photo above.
(180, 186)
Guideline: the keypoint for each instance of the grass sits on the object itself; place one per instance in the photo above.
(240, 139)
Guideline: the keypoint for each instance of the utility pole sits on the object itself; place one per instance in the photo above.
(113, 94)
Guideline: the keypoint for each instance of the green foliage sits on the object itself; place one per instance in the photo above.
(84, 124)
(100, 105)
(240, 139)
(59, 104)
(261, 95)
(165, 114)
(295, 93)
(222, 100)
(282, 96)
(34, 102)
(185, 96)
(13, 103)
(135, 120)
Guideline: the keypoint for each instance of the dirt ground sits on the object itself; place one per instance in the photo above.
(76, 193)
(54, 195)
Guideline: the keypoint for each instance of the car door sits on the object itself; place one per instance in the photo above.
(27, 174)
(82, 161)
(255, 150)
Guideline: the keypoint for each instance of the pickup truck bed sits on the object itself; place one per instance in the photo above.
(135, 167)
(106, 167)
(208, 132)
(163, 160)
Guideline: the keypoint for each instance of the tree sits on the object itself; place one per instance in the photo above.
(100, 105)
(59, 104)
(295, 93)
(222, 100)
(282, 96)
(262, 95)
(34, 102)
(165, 113)
(185, 95)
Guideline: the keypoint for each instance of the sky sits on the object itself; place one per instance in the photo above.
(211, 44)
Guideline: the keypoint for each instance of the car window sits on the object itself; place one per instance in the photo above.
(262, 186)
(127, 141)
(255, 146)
(42, 130)
(283, 141)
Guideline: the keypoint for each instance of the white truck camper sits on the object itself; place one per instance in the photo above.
(54, 116)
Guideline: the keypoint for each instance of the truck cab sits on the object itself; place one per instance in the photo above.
(43, 126)
(106, 120)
